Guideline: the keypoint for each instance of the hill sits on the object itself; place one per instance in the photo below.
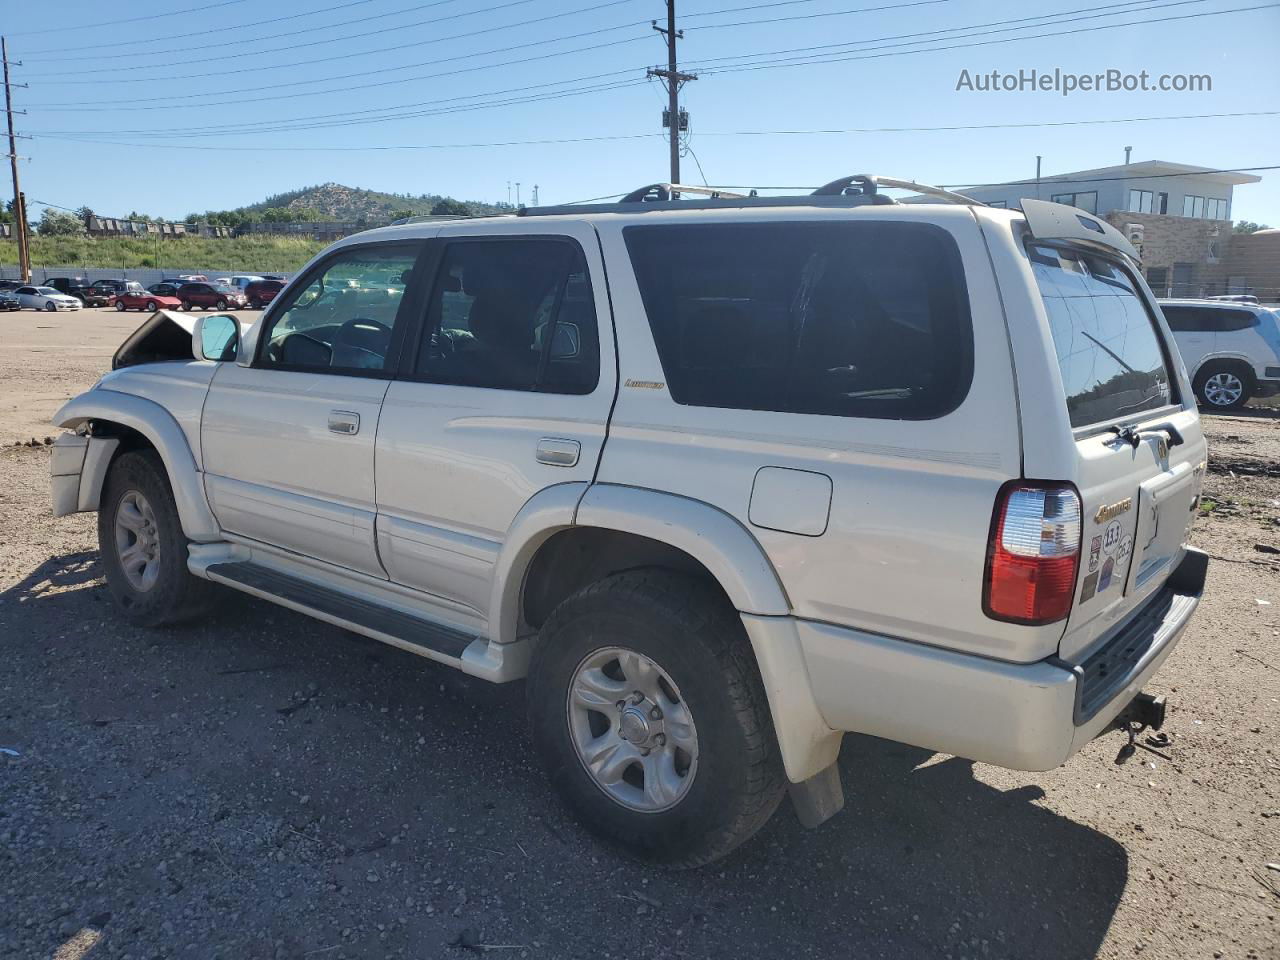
(249, 254)
(351, 203)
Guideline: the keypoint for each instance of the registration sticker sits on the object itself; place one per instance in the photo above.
(1090, 587)
(1104, 578)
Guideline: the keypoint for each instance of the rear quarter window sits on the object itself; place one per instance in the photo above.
(1112, 361)
(853, 319)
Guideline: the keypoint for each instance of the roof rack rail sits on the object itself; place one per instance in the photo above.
(855, 190)
(870, 185)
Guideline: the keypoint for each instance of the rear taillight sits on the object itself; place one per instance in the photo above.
(1032, 556)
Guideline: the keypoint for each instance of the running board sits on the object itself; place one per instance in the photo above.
(415, 634)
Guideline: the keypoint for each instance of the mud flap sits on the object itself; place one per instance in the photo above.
(819, 798)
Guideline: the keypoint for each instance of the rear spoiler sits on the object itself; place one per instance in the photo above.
(1059, 222)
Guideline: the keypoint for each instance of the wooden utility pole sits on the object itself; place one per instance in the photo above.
(19, 207)
(674, 80)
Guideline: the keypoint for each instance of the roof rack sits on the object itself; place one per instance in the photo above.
(855, 190)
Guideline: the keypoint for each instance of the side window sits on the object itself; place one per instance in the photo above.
(1233, 320)
(341, 319)
(851, 319)
(1183, 319)
(513, 314)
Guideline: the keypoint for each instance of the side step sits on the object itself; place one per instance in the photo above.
(383, 623)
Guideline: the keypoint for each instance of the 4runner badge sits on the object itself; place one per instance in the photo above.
(1114, 510)
(646, 384)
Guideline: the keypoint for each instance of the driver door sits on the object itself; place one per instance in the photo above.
(288, 438)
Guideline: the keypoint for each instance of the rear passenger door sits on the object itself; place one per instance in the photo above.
(505, 392)
(1193, 333)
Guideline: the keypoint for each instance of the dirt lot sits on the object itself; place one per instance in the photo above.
(262, 785)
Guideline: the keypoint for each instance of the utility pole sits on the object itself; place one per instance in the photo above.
(19, 206)
(517, 194)
(534, 201)
(674, 80)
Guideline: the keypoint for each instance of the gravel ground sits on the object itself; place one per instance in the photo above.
(262, 785)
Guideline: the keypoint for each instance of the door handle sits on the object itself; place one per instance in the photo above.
(344, 421)
(559, 453)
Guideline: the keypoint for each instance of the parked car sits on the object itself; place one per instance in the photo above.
(80, 288)
(1237, 297)
(1231, 349)
(146, 300)
(207, 296)
(242, 281)
(11, 285)
(945, 468)
(261, 292)
(164, 288)
(9, 301)
(46, 298)
(111, 288)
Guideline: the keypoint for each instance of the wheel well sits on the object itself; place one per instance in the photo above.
(1225, 363)
(130, 439)
(572, 559)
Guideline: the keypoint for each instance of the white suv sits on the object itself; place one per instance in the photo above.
(1231, 349)
(723, 478)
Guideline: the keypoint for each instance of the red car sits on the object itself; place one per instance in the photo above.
(262, 292)
(205, 295)
(145, 300)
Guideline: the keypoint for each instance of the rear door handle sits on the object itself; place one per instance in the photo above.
(559, 453)
(346, 422)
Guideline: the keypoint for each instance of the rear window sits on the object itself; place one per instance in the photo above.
(854, 319)
(1111, 358)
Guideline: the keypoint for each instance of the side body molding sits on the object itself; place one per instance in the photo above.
(156, 424)
(706, 533)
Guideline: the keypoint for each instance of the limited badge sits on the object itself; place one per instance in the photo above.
(1111, 538)
(1089, 588)
(1104, 578)
(1095, 550)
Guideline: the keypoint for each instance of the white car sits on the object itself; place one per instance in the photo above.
(723, 478)
(46, 298)
(242, 281)
(1231, 349)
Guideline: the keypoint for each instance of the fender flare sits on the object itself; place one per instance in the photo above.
(1221, 358)
(156, 424)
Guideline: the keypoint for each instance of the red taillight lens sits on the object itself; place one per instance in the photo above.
(1032, 557)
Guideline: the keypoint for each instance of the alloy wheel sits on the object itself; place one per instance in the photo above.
(632, 730)
(137, 541)
(1223, 389)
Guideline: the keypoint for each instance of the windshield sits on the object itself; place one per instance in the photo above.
(1109, 352)
(46, 290)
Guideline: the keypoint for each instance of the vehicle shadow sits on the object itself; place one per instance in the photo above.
(422, 779)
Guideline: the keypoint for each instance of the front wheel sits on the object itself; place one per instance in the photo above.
(51, 306)
(186, 306)
(144, 551)
(651, 720)
(151, 306)
(120, 306)
(221, 305)
(1224, 386)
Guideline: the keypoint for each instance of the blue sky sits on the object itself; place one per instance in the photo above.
(222, 82)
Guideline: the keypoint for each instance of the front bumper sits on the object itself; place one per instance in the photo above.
(1022, 716)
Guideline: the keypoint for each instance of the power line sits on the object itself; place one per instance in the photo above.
(342, 56)
(724, 133)
(254, 26)
(63, 28)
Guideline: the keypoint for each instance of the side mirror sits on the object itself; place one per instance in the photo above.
(215, 337)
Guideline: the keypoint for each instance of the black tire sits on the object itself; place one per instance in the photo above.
(1234, 372)
(51, 306)
(176, 595)
(120, 306)
(186, 306)
(255, 305)
(692, 633)
(151, 305)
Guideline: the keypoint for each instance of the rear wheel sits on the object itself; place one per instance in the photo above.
(151, 305)
(649, 714)
(255, 305)
(1224, 386)
(144, 550)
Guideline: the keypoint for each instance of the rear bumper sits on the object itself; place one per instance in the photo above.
(1022, 716)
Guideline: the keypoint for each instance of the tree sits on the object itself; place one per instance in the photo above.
(59, 223)
(400, 215)
(84, 213)
(1248, 226)
(449, 207)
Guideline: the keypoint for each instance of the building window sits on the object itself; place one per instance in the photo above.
(1087, 202)
(1158, 280)
(1162, 203)
(1193, 206)
(1215, 209)
(1140, 201)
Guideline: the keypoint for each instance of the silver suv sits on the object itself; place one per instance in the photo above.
(721, 477)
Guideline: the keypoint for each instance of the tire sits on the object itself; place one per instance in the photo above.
(120, 306)
(221, 305)
(1224, 385)
(255, 305)
(137, 484)
(51, 306)
(186, 306)
(732, 779)
(151, 306)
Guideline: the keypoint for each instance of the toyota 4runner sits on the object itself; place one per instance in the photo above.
(722, 478)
